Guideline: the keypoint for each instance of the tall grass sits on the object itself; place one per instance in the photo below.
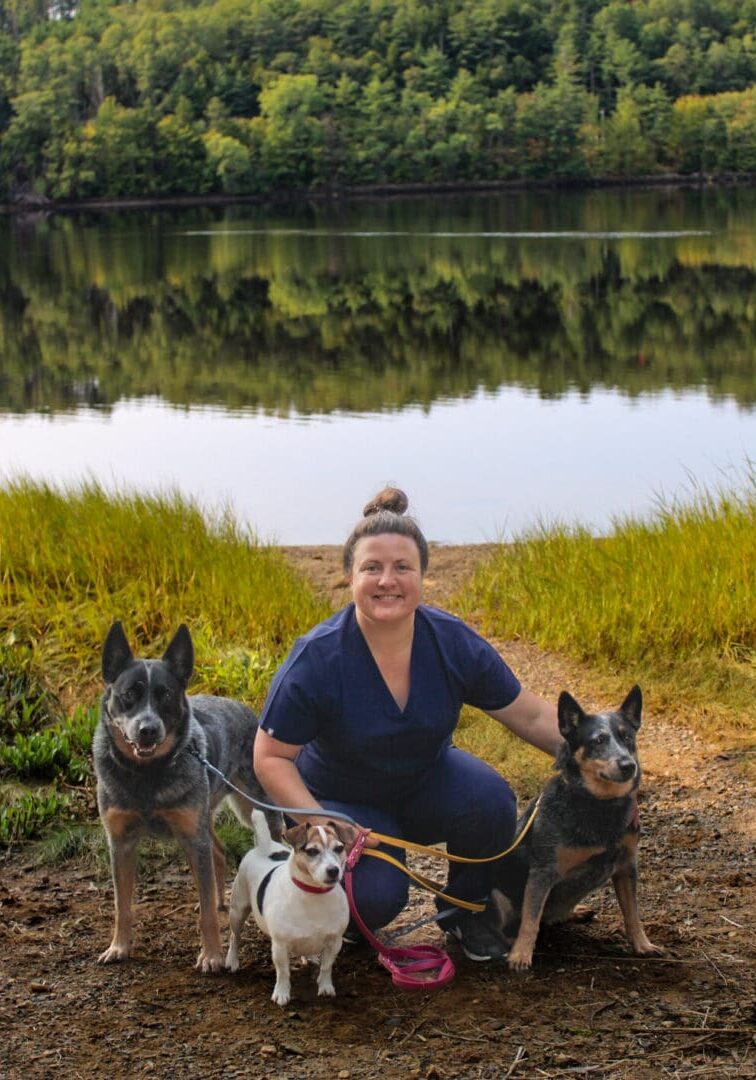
(73, 561)
(669, 601)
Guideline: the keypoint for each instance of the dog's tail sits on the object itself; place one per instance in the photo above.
(263, 839)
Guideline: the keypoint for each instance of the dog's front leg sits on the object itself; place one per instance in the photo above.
(625, 880)
(199, 852)
(537, 890)
(331, 948)
(123, 860)
(210, 959)
(282, 990)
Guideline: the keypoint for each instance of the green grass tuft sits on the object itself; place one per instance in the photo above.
(73, 561)
(669, 602)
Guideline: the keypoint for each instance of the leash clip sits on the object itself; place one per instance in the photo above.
(356, 850)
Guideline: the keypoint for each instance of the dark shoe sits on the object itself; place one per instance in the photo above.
(479, 938)
(354, 939)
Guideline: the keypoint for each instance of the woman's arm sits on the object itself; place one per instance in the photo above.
(275, 769)
(533, 719)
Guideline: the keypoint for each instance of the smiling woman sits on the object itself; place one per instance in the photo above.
(361, 715)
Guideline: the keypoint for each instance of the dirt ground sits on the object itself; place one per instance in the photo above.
(588, 1008)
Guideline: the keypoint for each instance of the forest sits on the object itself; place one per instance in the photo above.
(176, 97)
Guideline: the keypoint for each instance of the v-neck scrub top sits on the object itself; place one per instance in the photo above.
(330, 698)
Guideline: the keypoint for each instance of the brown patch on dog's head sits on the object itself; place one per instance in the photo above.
(340, 831)
(320, 852)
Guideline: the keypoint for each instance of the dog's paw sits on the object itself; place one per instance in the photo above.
(520, 959)
(647, 948)
(326, 989)
(209, 963)
(113, 954)
(281, 995)
(581, 913)
(232, 962)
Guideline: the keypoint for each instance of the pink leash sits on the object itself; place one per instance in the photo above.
(412, 967)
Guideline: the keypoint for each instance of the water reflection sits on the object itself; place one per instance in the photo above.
(381, 305)
(503, 358)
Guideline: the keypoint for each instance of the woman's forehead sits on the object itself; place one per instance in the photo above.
(386, 546)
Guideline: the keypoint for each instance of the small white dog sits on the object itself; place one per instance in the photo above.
(296, 897)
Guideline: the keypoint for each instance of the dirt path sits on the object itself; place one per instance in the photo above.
(587, 1009)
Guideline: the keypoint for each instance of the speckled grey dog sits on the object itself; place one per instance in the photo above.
(149, 780)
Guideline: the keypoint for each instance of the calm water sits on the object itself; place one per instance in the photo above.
(506, 359)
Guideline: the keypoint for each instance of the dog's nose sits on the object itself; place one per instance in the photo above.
(626, 768)
(332, 873)
(148, 733)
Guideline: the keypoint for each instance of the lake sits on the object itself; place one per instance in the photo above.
(507, 359)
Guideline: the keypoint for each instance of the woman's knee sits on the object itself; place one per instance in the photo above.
(380, 894)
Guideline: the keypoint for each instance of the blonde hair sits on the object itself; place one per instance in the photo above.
(386, 513)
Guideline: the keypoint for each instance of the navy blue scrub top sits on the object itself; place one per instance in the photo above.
(357, 744)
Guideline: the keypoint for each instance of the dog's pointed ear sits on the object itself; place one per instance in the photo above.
(297, 835)
(631, 707)
(569, 713)
(346, 833)
(116, 654)
(179, 656)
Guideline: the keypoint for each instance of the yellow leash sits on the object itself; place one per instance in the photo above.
(432, 886)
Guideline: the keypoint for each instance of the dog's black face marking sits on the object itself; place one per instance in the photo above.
(145, 699)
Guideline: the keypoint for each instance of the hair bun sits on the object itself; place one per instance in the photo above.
(391, 498)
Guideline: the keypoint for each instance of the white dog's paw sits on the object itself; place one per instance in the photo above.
(232, 961)
(281, 995)
(326, 989)
(113, 954)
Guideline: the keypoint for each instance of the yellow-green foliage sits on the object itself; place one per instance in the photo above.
(669, 601)
(73, 561)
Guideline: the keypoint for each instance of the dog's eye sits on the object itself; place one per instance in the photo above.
(164, 694)
(625, 735)
(131, 694)
(312, 852)
(600, 739)
(338, 848)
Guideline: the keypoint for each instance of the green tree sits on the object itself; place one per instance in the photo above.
(290, 108)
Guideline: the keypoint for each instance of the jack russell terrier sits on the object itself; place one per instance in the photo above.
(296, 897)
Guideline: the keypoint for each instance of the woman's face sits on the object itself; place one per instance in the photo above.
(387, 582)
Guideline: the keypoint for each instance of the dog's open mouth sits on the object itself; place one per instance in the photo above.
(144, 751)
(139, 750)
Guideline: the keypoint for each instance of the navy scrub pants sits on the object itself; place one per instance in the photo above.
(464, 803)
